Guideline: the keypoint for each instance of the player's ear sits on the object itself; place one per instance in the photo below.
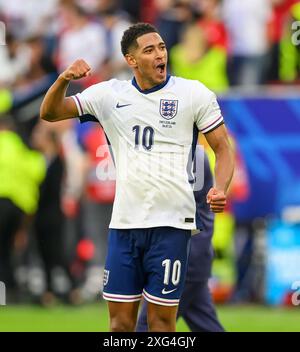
(131, 61)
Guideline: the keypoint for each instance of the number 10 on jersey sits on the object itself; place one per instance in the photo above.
(147, 135)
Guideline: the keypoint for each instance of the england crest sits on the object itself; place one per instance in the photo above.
(105, 277)
(168, 108)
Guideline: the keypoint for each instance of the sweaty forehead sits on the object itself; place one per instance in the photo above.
(149, 39)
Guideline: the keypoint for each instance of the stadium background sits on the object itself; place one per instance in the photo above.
(50, 173)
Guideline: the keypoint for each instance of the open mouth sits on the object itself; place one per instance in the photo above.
(161, 68)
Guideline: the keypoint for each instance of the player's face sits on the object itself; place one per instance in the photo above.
(150, 59)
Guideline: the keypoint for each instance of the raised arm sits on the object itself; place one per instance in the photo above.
(219, 141)
(56, 106)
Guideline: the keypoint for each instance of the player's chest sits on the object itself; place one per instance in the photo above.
(169, 114)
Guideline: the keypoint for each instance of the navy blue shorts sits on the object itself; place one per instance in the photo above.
(146, 262)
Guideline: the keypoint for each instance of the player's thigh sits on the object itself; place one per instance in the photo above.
(165, 264)
(123, 275)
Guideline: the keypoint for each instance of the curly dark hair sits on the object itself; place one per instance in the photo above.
(132, 33)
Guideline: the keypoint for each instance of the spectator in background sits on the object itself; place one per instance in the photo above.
(81, 38)
(194, 58)
(76, 168)
(210, 22)
(14, 61)
(21, 172)
(172, 16)
(97, 202)
(89, 6)
(39, 64)
(34, 17)
(148, 11)
(49, 219)
(133, 8)
(280, 18)
(247, 23)
(114, 22)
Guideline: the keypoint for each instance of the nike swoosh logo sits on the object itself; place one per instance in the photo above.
(164, 292)
(122, 106)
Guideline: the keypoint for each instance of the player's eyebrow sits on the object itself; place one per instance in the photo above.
(152, 46)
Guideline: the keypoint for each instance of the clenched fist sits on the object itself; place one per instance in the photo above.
(216, 199)
(77, 70)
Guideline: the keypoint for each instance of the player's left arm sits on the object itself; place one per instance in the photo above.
(218, 140)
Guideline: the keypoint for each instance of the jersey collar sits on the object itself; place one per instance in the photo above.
(151, 90)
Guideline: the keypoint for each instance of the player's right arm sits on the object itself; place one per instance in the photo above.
(56, 106)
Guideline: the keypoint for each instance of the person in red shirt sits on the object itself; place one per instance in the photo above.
(211, 23)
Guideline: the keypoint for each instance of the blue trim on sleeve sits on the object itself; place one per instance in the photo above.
(88, 118)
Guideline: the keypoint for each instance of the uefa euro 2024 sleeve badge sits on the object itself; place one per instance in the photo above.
(168, 108)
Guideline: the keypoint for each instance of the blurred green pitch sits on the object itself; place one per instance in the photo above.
(94, 317)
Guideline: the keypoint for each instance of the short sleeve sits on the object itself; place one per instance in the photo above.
(207, 112)
(90, 101)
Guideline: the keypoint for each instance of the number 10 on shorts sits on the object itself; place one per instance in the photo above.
(173, 271)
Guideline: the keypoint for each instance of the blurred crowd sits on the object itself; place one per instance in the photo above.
(54, 205)
(222, 43)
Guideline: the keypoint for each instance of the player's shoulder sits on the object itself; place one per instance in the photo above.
(112, 85)
(194, 89)
(119, 85)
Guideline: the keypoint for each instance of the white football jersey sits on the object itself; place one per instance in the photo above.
(153, 135)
